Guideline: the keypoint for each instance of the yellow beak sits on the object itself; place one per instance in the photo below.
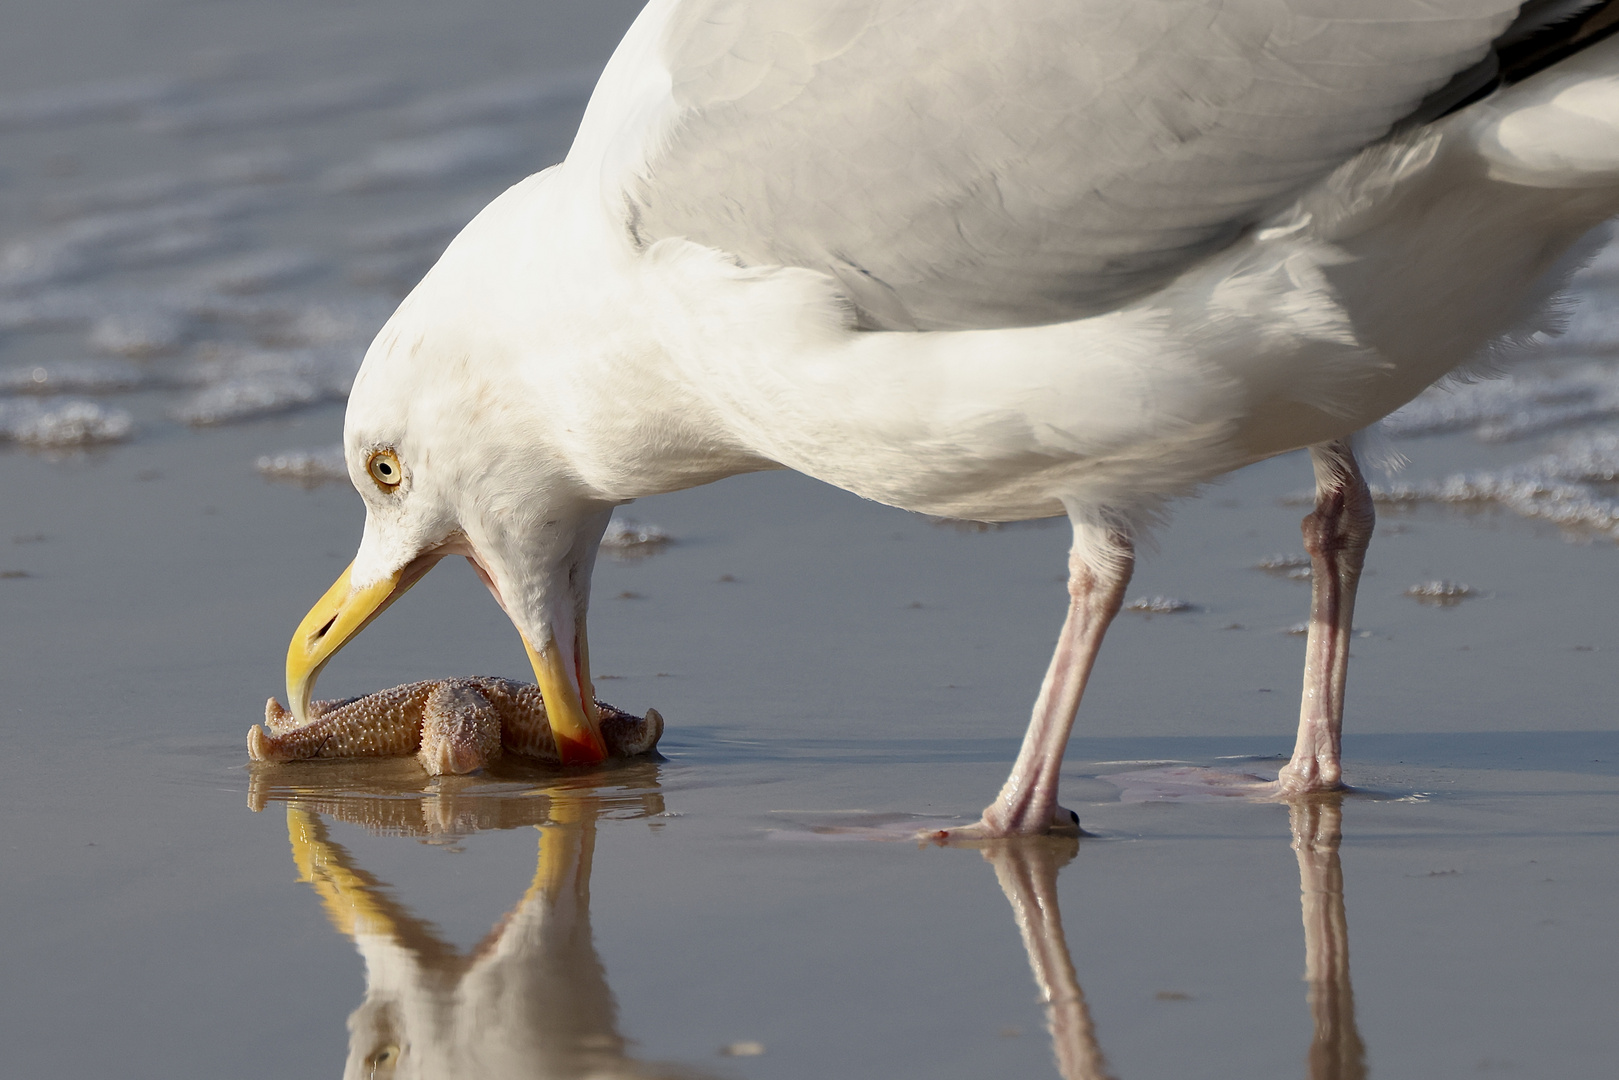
(570, 703)
(570, 700)
(336, 617)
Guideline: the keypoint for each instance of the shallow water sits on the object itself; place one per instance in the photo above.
(834, 673)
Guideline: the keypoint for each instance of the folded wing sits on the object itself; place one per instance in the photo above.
(988, 163)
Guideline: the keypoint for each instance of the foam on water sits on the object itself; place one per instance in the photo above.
(240, 385)
(247, 282)
(150, 330)
(245, 399)
(1441, 593)
(1568, 486)
(62, 424)
(1159, 605)
(627, 538)
(308, 468)
(1521, 403)
(96, 245)
(1556, 382)
(1292, 567)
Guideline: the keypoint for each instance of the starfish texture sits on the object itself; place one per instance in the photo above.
(452, 726)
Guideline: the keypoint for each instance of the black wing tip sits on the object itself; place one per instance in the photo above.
(1549, 31)
(1545, 33)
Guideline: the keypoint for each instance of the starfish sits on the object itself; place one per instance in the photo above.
(454, 726)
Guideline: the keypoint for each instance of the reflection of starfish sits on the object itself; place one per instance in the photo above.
(450, 725)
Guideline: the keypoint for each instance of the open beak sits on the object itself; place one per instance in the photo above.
(336, 617)
(570, 700)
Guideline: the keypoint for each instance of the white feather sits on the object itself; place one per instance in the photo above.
(651, 314)
(962, 164)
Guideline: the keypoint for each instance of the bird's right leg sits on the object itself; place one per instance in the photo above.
(1335, 534)
(1099, 567)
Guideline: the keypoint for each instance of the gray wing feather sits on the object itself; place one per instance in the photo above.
(980, 163)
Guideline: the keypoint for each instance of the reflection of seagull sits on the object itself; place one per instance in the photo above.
(1027, 872)
(1336, 1052)
(993, 259)
(530, 1000)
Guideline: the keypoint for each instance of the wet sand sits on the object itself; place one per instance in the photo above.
(833, 673)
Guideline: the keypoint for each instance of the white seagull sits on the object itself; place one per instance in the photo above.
(988, 259)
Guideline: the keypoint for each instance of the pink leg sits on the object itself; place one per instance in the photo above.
(1027, 803)
(1335, 534)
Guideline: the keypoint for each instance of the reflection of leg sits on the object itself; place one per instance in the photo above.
(1027, 870)
(1335, 534)
(1098, 570)
(1336, 1052)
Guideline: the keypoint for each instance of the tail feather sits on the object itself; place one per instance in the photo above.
(1561, 131)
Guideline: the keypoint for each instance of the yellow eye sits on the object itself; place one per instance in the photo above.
(385, 469)
(383, 1062)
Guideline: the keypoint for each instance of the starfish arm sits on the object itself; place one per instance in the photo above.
(384, 724)
(460, 730)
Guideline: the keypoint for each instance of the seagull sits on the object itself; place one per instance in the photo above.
(983, 259)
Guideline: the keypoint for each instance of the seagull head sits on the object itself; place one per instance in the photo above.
(452, 456)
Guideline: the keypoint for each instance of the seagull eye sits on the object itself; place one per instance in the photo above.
(385, 469)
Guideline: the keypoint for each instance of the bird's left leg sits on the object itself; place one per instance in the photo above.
(1099, 567)
(1335, 534)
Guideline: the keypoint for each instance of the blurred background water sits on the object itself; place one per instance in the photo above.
(210, 207)
(206, 210)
